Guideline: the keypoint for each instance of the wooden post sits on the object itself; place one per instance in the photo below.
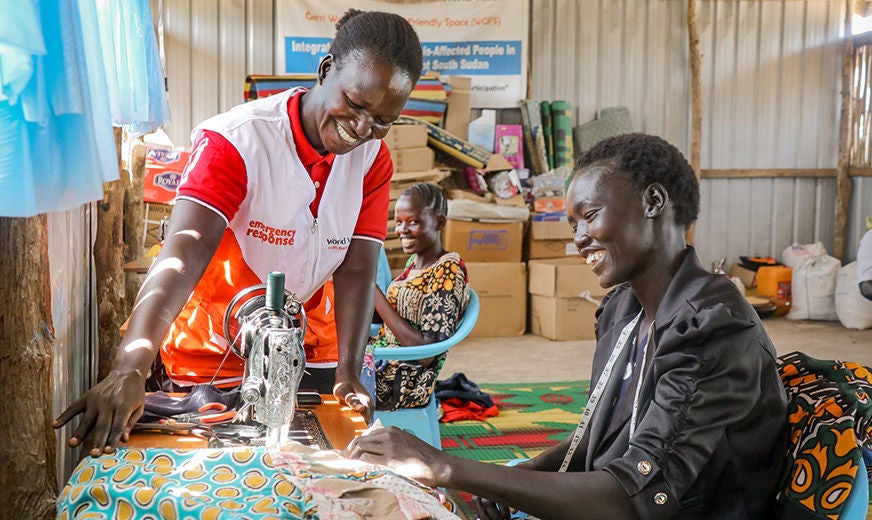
(28, 481)
(108, 262)
(843, 179)
(695, 95)
(134, 220)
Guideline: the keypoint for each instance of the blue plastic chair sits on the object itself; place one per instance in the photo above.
(423, 422)
(382, 279)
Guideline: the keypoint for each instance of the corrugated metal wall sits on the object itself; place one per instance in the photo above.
(210, 46)
(70, 241)
(770, 74)
(770, 77)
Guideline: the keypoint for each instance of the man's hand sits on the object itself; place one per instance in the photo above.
(351, 392)
(109, 411)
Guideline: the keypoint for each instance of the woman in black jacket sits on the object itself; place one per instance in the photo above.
(687, 414)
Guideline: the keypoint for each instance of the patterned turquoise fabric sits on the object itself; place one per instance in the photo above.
(296, 482)
(166, 483)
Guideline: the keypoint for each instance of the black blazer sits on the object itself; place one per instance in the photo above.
(710, 442)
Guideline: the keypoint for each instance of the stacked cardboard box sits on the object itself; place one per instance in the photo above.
(564, 295)
(489, 237)
(163, 171)
(548, 239)
(408, 147)
(484, 241)
(457, 115)
(156, 220)
(492, 253)
(501, 287)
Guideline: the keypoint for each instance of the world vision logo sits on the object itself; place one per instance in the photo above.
(270, 235)
(338, 243)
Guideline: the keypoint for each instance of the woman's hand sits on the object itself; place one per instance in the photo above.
(402, 452)
(111, 408)
(489, 510)
(109, 411)
(350, 391)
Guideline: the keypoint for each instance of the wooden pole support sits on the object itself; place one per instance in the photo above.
(843, 179)
(28, 481)
(696, 97)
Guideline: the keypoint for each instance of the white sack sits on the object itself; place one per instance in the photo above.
(813, 290)
(854, 311)
(798, 254)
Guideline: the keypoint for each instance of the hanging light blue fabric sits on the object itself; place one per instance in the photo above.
(134, 72)
(58, 60)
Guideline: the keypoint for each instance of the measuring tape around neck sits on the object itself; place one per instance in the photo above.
(597, 392)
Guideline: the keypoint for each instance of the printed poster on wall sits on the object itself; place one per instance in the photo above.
(485, 40)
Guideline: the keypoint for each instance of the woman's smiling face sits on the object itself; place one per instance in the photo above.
(417, 226)
(356, 101)
(612, 234)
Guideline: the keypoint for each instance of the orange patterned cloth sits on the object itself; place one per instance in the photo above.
(830, 416)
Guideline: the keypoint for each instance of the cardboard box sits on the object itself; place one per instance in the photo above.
(458, 194)
(155, 214)
(502, 289)
(457, 114)
(748, 277)
(551, 230)
(515, 200)
(484, 241)
(401, 181)
(563, 278)
(163, 172)
(433, 175)
(413, 159)
(538, 249)
(549, 239)
(562, 319)
(406, 136)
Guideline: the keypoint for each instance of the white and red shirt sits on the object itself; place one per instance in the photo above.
(287, 208)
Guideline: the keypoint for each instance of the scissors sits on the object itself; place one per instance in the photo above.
(208, 414)
(169, 426)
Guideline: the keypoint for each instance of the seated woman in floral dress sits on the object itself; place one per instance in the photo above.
(422, 305)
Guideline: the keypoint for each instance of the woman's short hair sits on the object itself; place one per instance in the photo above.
(647, 159)
(430, 196)
(386, 36)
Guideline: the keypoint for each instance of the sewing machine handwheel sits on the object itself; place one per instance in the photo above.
(293, 309)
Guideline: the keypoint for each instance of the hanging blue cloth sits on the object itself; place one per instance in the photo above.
(135, 75)
(57, 146)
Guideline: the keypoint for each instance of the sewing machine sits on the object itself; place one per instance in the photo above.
(271, 326)
(264, 325)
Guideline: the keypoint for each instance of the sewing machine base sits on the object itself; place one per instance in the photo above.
(305, 429)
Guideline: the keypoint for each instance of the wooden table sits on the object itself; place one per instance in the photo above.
(341, 424)
(140, 265)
